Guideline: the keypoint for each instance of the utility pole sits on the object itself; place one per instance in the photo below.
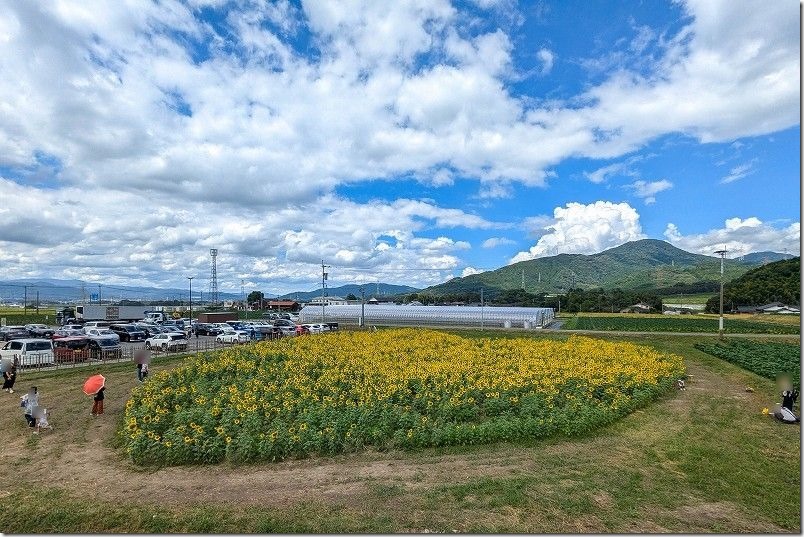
(722, 254)
(323, 288)
(100, 300)
(25, 300)
(191, 298)
(481, 308)
(37, 301)
(362, 307)
(243, 294)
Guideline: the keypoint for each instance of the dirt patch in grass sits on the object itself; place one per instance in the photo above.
(642, 474)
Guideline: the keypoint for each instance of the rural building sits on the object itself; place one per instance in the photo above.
(275, 304)
(217, 317)
(637, 308)
(773, 307)
(328, 301)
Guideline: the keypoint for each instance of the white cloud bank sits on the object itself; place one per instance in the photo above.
(584, 229)
(740, 237)
(237, 139)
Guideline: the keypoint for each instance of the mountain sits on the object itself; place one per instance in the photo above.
(779, 281)
(76, 291)
(762, 258)
(371, 289)
(643, 264)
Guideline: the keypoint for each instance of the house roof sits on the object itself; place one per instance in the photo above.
(280, 302)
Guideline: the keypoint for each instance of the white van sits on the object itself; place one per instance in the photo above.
(29, 351)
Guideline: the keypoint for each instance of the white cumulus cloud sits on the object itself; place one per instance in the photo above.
(739, 237)
(647, 190)
(469, 271)
(584, 229)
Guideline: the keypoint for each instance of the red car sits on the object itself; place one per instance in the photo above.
(301, 330)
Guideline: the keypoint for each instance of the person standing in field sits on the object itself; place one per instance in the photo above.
(30, 401)
(9, 377)
(97, 405)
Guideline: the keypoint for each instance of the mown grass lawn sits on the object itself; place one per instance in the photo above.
(702, 460)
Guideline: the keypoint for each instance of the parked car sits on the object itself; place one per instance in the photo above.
(69, 330)
(148, 328)
(73, 349)
(284, 322)
(268, 332)
(96, 324)
(168, 341)
(40, 330)
(233, 336)
(7, 333)
(104, 342)
(128, 332)
(29, 351)
(300, 330)
(206, 329)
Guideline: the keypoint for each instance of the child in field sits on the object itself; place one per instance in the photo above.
(42, 421)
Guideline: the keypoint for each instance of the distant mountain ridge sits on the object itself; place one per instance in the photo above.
(51, 289)
(762, 258)
(642, 264)
(370, 289)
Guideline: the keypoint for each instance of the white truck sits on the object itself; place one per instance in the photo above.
(97, 312)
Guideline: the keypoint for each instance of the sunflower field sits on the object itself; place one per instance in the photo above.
(403, 388)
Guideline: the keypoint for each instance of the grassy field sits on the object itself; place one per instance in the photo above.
(701, 298)
(15, 316)
(700, 460)
(755, 324)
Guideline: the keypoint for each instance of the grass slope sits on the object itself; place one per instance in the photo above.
(703, 460)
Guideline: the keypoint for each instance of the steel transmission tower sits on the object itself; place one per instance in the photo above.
(213, 278)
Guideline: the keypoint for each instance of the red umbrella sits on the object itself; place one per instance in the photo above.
(93, 384)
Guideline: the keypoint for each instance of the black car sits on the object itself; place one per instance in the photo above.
(8, 333)
(204, 329)
(128, 332)
(40, 330)
(149, 329)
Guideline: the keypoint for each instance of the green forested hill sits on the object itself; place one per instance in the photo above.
(775, 282)
(644, 264)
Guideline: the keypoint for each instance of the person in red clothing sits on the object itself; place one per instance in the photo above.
(97, 406)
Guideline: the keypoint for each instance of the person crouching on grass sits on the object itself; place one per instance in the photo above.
(97, 406)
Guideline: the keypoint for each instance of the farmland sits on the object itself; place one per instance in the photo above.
(394, 389)
(681, 323)
(767, 359)
(694, 461)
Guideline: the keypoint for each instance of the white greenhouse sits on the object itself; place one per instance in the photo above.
(391, 315)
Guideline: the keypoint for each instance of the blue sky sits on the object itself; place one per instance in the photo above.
(405, 142)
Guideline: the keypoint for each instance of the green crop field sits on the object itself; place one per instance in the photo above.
(687, 299)
(675, 323)
(767, 359)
